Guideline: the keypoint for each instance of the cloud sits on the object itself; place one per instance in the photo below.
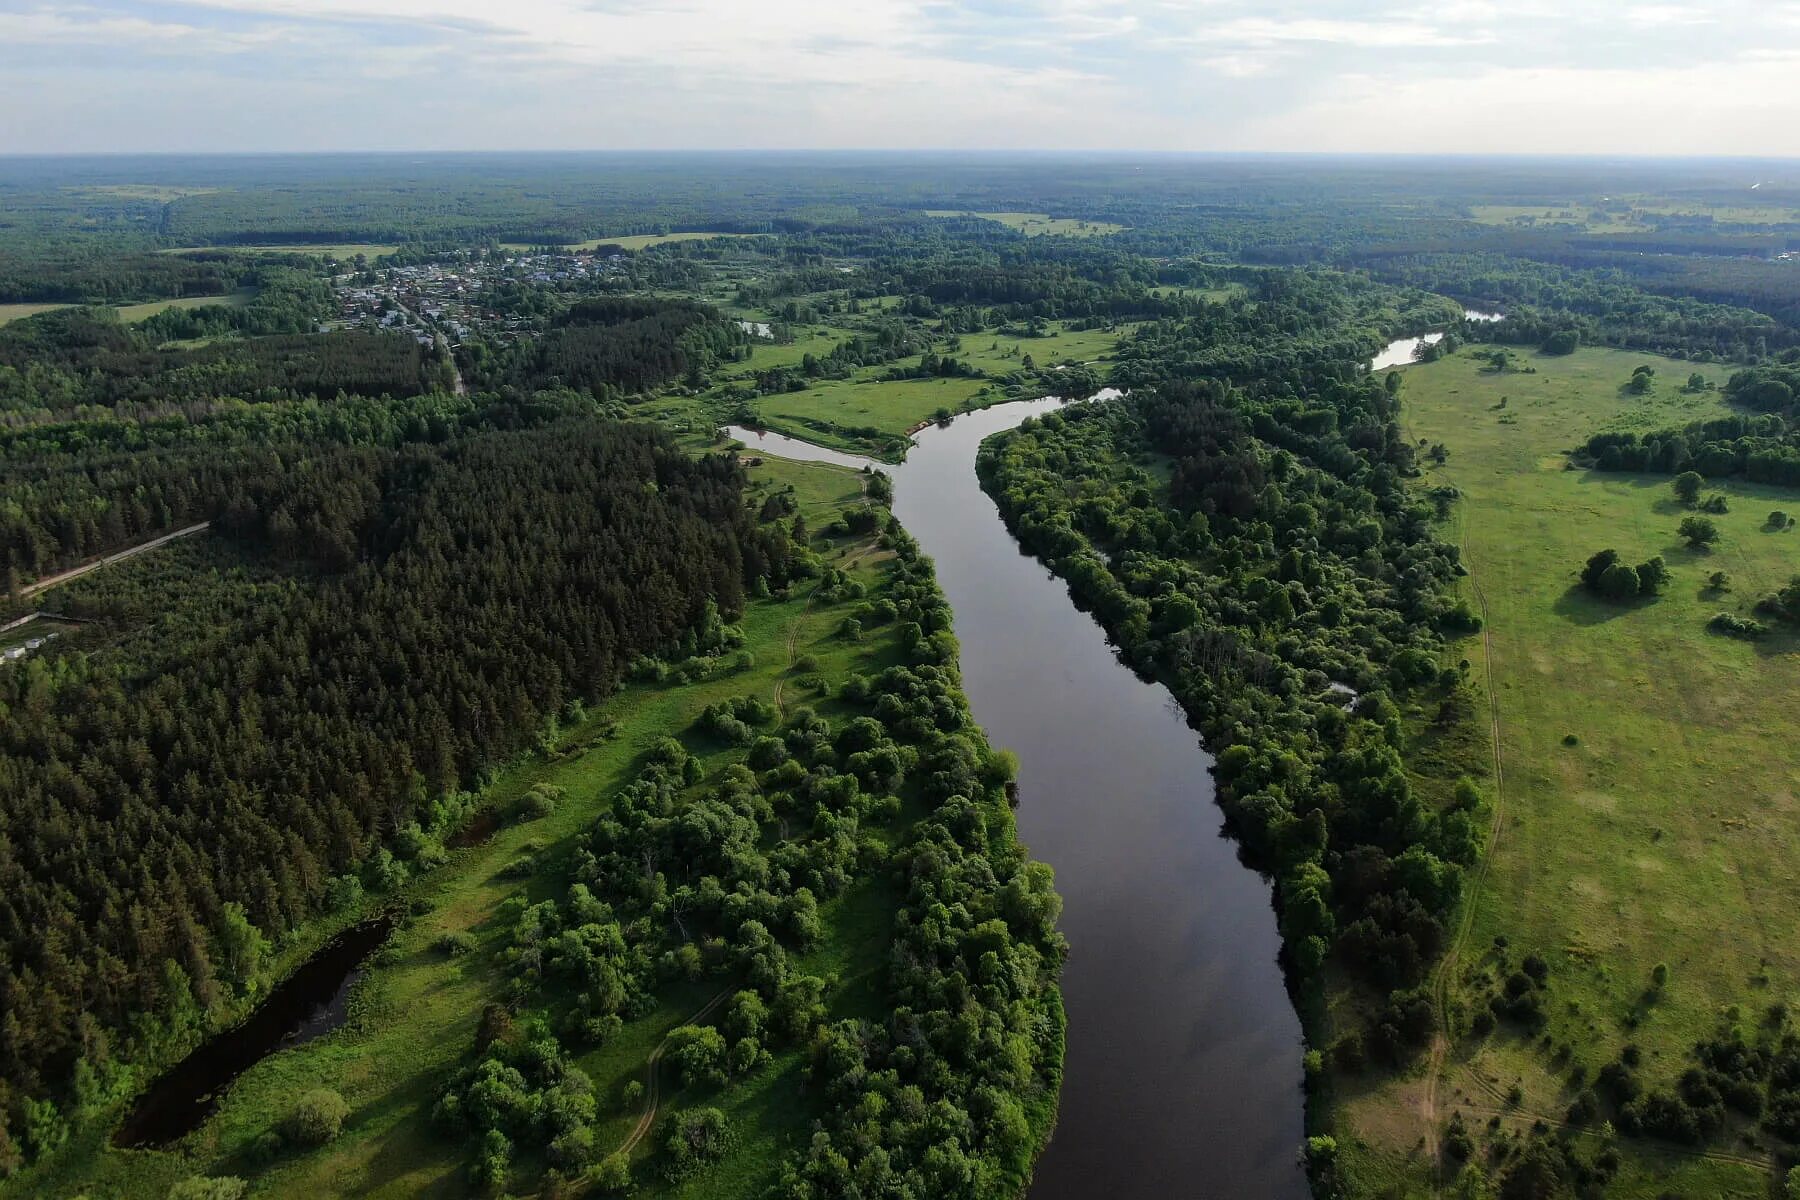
(1377, 32)
(1058, 74)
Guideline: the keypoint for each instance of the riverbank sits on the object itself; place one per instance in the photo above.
(1172, 976)
(413, 1018)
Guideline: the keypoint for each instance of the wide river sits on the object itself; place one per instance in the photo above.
(1183, 1073)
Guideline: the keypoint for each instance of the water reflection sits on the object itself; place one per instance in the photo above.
(1183, 1071)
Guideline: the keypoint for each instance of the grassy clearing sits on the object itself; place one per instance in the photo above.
(156, 192)
(15, 312)
(1036, 224)
(1217, 295)
(824, 410)
(1651, 778)
(414, 1014)
(337, 250)
(134, 312)
(1574, 216)
(831, 410)
(42, 627)
(632, 241)
(138, 312)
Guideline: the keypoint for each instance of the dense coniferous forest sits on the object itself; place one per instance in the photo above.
(464, 595)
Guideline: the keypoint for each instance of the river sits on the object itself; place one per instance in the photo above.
(1400, 353)
(1183, 1072)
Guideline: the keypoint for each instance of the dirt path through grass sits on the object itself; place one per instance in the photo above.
(1446, 971)
(652, 1090)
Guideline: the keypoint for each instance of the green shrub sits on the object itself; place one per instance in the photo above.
(455, 944)
(316, 1119)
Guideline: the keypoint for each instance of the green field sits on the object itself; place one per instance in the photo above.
(137, 312)
(631, 241)
(414, 1015)
(1036, 224)
(1575, 216)
(829, 409)
(14, 312)
(338, 250)
(134, 312)
(1649, 800)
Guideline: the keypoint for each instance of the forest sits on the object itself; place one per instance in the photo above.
(365, 702)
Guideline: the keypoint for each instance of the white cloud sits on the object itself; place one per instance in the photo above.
(1376, 32)
(1665, 76)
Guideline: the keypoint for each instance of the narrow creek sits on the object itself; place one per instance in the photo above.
(1183, 1072)
(309, 1003)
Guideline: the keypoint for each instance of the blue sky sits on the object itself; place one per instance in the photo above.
(1474, 76)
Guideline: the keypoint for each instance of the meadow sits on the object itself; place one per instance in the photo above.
(1647, 809)
(632, 241)
(133, 312)
(1036, 224)
(829, 411)
(336, 250)
(16, 312)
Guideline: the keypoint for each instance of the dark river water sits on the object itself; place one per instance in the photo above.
(1183, 1074)
(307, 1004)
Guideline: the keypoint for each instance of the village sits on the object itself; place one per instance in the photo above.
(458, 298)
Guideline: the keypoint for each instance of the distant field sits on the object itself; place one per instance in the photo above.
(1579, 216)
(134, 312)
(633, 241)
(866, 400)
(159, 193)
(137, 312)
(1036, 224)
(1217, 295)
(13, 312)
(1593, 220)
(1650, 810)
(339, 250)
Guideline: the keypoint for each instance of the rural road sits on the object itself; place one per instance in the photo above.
(651, 1097)
(50, 581)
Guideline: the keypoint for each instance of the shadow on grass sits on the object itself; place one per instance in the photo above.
(1582, 607)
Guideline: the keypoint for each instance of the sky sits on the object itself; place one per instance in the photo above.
(1339, 76)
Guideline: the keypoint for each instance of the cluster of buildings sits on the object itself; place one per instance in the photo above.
(455, 297)
(14, 653)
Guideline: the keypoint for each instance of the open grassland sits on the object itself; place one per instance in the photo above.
(133, 312)
(862, 412)
(336, 250)
(1650, 773)
(1574, 216)
(1597, 219)
(15, 312)
(155, 192)
(631, 241)
(831, 408)
(414, 1014)
(137, 312)
(1036, 224)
